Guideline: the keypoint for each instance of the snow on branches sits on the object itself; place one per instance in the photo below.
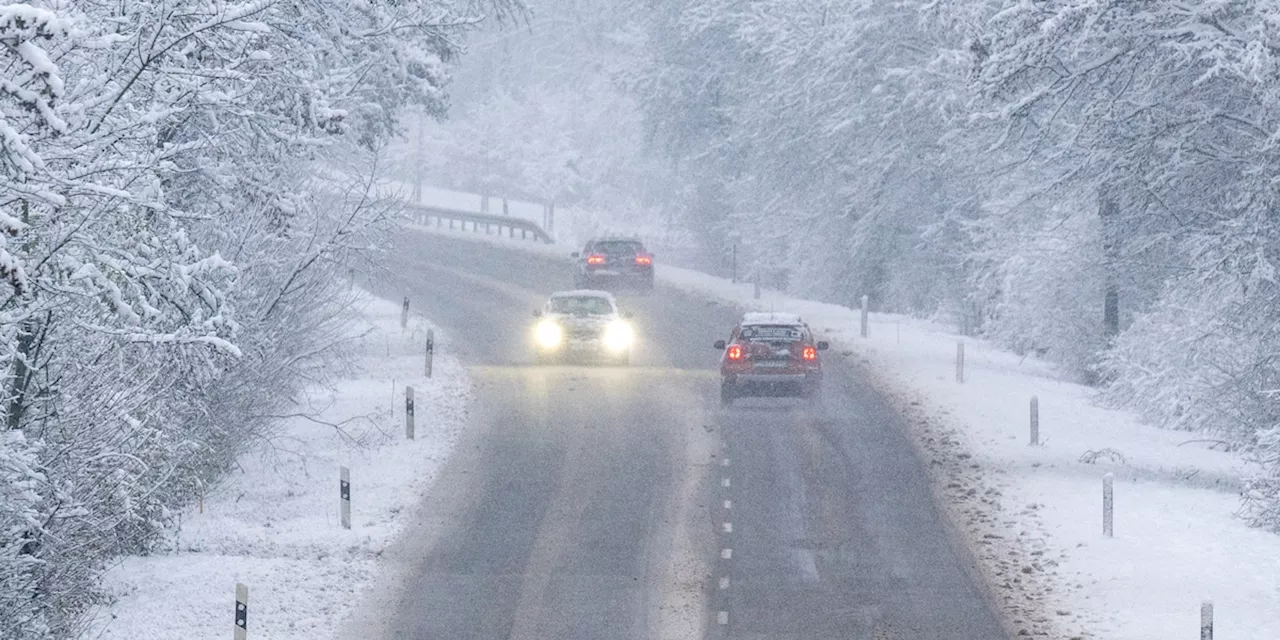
(1168, 106)
(169, 265)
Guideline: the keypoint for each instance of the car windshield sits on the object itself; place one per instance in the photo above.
(618, 247)
(581, 305)
(771, 333)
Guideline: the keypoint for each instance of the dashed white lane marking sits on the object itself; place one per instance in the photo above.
(722, 617)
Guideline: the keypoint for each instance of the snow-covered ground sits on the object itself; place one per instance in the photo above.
(1034, 513)
(275, 524)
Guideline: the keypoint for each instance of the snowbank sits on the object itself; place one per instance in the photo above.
(275, 525)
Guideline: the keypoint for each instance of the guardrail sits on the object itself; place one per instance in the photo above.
(441, 217)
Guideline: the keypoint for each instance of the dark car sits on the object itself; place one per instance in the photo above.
(613, 263)
(770, 354)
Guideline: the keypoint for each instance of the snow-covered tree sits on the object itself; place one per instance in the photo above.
(169, 260)
(1164, 110)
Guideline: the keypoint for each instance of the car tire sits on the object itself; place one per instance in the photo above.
(727, 394)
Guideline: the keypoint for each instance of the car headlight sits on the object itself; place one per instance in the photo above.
(548, 334)
(618, 336)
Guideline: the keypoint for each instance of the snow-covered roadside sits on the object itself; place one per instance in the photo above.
(1034, 513)
(274, 525)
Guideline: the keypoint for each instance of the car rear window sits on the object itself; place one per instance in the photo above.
(619, 247)
(771, 333)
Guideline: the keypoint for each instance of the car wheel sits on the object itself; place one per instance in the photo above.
(726, 394)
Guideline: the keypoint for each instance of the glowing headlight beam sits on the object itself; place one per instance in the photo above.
(618, 336)
(549, 335)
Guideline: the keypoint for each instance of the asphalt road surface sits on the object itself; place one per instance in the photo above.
(620, 503)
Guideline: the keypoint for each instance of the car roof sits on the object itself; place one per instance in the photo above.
(583, 293)
(771, 317)
(615, 239)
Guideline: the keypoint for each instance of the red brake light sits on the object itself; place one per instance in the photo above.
(595, 258)
(735, 352)
(645, 260)
(810, 353)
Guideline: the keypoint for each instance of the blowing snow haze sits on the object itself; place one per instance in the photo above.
(247, 247)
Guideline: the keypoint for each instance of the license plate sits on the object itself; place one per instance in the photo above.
(772, 364)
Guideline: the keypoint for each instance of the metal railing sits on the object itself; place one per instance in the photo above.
(441, 217)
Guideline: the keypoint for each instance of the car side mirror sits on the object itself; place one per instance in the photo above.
(537, 313)
(823, 345)
(574, 254)
(719, 344)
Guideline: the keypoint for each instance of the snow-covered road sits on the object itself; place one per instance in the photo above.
(625, 503)
(1033, 515)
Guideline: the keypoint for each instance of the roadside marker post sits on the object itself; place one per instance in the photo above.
(960, 361)
(404, 313)
(242, 612)
(344, 494)
(1035, 421)
(408, 412)
(865, 327)
(431, 349)
(1108, 502)
(1206, 620)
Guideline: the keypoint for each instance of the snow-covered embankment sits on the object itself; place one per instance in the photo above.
(274, 525)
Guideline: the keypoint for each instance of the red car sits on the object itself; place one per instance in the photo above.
(770, 354)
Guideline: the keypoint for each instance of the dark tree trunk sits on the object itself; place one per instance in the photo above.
(1109, 211)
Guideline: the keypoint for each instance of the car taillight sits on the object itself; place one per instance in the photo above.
(810, 353)
(644, 260)
(595, 258)
(734, 352)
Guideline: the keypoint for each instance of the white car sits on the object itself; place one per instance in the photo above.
(582, 324)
